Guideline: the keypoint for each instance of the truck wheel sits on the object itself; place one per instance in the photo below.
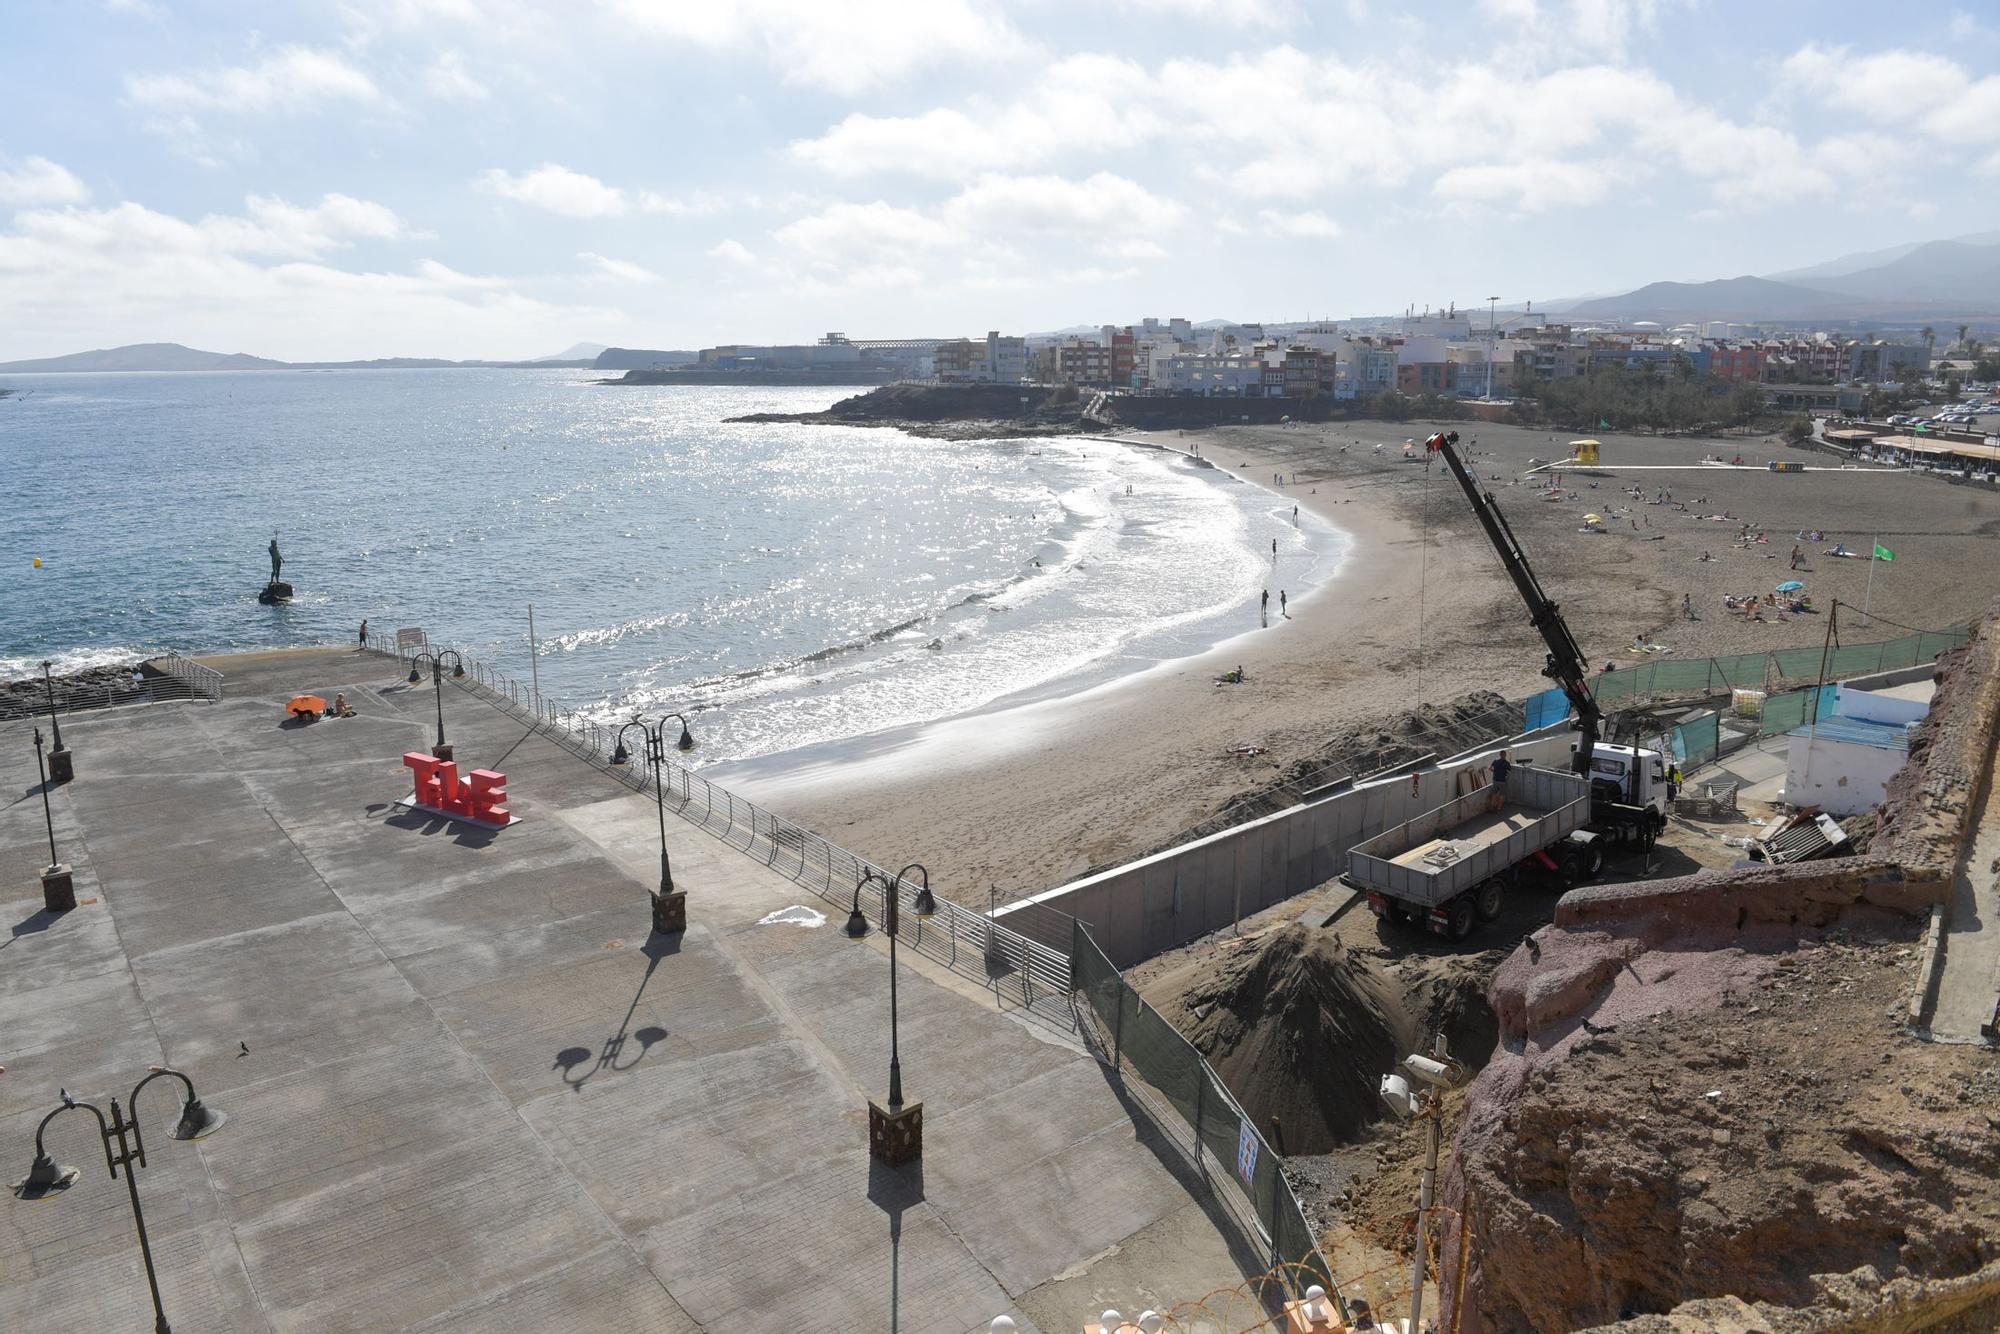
(1588, 862)
(1460, 916)
(1486, 900)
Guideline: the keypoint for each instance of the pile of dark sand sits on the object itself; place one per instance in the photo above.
(1299, 1027)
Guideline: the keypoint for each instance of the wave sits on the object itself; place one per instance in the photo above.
(65, 661)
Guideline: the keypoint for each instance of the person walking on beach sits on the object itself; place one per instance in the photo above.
(1295, 516)
(1267, 602)
(1274, 551)
(1281, 605)
(364, 632)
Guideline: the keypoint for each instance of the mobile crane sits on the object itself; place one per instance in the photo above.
(1628, 785)
(1449, 868)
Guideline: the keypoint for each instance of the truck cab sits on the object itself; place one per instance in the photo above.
(1611, 768)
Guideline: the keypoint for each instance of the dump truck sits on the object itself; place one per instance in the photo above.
(1449, 868)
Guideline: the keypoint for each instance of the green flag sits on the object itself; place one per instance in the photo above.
(1603, 425)
(1883, 553)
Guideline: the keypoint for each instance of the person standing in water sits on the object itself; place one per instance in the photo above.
(1281, 604)
(277, 561)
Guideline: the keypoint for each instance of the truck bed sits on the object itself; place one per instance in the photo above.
(1481, 831)
(1443, 852)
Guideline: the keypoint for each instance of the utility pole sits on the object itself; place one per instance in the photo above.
(1492, 338)
(534, 661)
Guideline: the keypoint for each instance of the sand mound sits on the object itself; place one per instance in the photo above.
(1298, 1027)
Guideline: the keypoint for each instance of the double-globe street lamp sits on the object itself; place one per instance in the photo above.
(58, 886)
(436, 660)
(62, 764)
(895, 1132)
(48, 1178)
(669, 904)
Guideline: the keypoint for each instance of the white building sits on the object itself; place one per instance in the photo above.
(1843, 763)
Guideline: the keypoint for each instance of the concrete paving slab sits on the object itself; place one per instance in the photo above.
(304, 993)
(40, 1027)
(201, 1286)
(608, 1291)
(849, 1246)
(479, 1095)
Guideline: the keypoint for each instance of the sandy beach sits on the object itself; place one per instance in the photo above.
(1020, 799)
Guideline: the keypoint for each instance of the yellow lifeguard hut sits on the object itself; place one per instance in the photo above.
(1584, 452)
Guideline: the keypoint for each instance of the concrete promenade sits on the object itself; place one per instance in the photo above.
(465, 1090)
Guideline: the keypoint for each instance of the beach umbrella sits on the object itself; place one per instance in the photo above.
(1593, 518)
(1790, 586)
(306, 705)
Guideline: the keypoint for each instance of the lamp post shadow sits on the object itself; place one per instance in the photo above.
(570, 1059)
(894, 1190)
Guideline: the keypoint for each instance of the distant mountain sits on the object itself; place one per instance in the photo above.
(575, 352)
(640, 359)
(1956, 273)
(145, 357)
(1925, 280)
(174, 357)
(1815, 275)
(1745, 298)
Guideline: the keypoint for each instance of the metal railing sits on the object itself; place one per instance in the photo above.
(958, 937)
(181, 679)
(202, 682)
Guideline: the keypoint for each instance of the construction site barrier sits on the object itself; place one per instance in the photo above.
(1685, 677)
(1132, 1038)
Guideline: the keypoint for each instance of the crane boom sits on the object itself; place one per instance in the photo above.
(1566, 665)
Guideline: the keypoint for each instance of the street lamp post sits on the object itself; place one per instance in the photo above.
(62, 764)
(47, 1178)
(895, 1132)
(441, 750)
(58, 888)
(669, 904)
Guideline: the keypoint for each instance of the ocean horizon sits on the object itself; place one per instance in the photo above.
(786, 585)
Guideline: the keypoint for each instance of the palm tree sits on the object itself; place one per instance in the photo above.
(1930, 337)
(1963, 330)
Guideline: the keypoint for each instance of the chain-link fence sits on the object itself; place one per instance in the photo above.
(1142, 1046)
(1755, 671)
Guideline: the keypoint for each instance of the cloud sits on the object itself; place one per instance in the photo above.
(557, 189)
(1310, 224)
(618, 268)
(732, 252)
(290, 79)
(1931, 94)
(39, 181)
(88, 277)
(1082, 104)
(1528, 187)
(1099, 212)
(700, 204)
(842, 48)
(1542, 30)
(844, 233)
(996, 233)
(448, 78)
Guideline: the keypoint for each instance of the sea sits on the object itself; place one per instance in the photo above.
(783, 585)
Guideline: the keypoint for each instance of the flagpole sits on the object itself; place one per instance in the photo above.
(1869, 596)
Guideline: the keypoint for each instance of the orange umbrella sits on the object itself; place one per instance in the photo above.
(306, 705)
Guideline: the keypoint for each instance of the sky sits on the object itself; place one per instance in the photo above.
(504, 178)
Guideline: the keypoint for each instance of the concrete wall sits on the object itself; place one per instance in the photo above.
(1839, 777)
(1851, 703)
(1153, 904)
